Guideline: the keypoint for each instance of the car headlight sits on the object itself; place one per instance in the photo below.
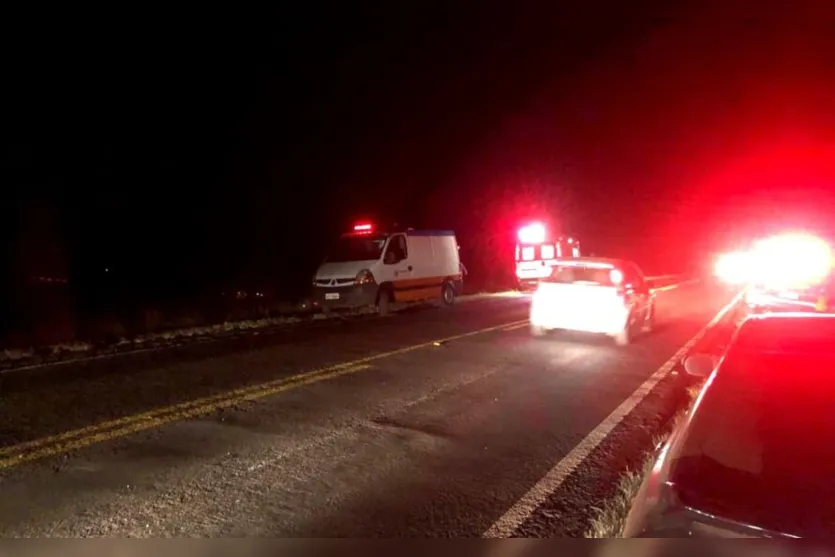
(364, 277)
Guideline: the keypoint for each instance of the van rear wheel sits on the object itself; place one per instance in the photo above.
(447, 294)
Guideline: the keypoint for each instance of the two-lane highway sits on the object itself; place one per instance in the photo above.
(441, 422)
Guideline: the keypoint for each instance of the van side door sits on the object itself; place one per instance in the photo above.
(396, 258)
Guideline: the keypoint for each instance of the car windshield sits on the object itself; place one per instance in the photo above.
(759, 449)
(357, 248)
(568, 274)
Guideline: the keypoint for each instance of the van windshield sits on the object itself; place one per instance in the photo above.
(356, 248)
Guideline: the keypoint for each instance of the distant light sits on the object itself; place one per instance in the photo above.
(790, 259)
(106, 270)
(734, 267)
(571, 240)
(532, 234)
(616, 276)
(363, 227)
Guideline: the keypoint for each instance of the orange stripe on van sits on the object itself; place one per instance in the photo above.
(415, 289)
(417, 294)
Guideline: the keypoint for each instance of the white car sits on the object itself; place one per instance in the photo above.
(593, 295)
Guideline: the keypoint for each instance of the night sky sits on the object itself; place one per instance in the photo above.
(186, 151)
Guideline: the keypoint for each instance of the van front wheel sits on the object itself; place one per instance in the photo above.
(447, 294)
(383, 303)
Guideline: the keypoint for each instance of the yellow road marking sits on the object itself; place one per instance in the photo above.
(235, 394)
(675, 285)
(157, 421)
(113, 429)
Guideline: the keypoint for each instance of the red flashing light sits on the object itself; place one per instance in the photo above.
(785, 261)
(532, 234)
(363, 227)
(617, 276)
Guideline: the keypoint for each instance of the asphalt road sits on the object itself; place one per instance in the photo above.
(440, 422)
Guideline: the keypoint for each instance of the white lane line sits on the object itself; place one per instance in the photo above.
(506, 525)
(514, 327)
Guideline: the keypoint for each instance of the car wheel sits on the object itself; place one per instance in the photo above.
(649, 320)
(447, 294)
(624, 337)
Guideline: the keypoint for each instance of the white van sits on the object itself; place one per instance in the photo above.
(371, 268)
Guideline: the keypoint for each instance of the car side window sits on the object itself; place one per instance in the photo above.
(396, 250)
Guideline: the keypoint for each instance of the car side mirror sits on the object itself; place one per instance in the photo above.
(700, 365)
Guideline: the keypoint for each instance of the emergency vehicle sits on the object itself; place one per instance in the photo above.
(786, 272)
(370, 267)
(537, 253)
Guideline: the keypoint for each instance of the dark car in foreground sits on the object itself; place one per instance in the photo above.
(755, 455)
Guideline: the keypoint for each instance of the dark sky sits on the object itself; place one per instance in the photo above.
(198, 146)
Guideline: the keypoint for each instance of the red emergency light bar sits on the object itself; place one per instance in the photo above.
(532, 234)
(363, 227)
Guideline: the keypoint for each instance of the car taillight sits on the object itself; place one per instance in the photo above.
(616, 276)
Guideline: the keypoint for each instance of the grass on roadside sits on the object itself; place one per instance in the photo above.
(611, 517)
